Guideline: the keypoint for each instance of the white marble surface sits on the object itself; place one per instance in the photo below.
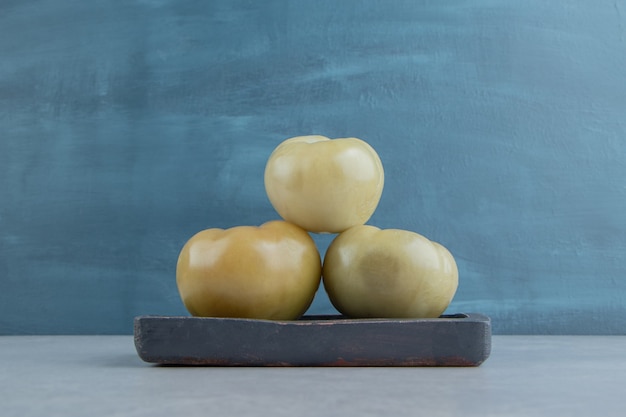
(102, 376)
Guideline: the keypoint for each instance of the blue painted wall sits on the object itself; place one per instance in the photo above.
(127, 126)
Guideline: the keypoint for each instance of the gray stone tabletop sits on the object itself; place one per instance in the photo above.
(103, 376)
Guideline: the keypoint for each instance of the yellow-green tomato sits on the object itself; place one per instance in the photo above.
(268, 272)
(369, 272)
(324, 185)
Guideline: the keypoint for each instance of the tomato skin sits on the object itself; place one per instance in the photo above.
(268, 272)
(324, 185)
(392, 273)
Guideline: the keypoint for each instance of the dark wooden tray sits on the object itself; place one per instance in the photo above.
(450, 340)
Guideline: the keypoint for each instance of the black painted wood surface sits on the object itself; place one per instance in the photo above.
(450, 340)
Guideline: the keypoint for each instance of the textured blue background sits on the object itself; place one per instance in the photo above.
(128, 126)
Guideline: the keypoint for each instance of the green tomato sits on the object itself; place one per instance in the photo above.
(369, 272)
(324, 185)
(267, 272)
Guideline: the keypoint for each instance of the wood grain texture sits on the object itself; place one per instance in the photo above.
(453, 340)
(128, 126)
